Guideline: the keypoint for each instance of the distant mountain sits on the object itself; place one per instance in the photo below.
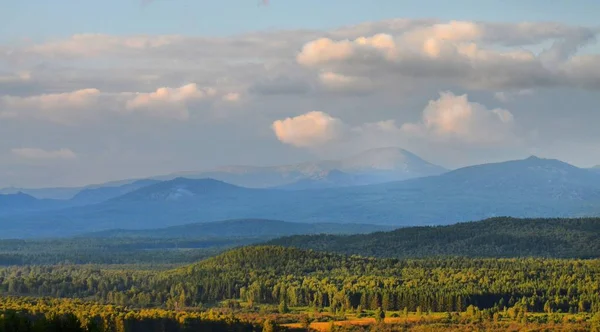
(372, 166)
(100, 194)
(498, 237)
(369, 167)
(242, 228)
(67, 193)
(43, 193)
(530, 188)
(330, 179)
(20, 202)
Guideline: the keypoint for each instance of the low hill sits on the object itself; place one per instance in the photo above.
(246, 228)
(497, 237)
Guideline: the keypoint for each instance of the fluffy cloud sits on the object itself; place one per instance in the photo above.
(455, 118)
(449, 120)
(308, 130)
(476, 56)
(41, 154)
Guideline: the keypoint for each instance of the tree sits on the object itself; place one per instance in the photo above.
(269, 326)
(283, 307)
(379, 315)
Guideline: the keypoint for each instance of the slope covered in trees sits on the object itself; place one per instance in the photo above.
(496, 237)
(293, 277)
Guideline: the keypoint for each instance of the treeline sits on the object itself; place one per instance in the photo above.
(496, 237)
(291, 277)
(52, 315)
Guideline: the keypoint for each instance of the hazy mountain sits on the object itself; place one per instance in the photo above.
(65, 193)
(43, 193)
(369, 167)
(100, 194)
(498, 237)
(21, 202)
(373, 166)
(242, 228)
(532, 187)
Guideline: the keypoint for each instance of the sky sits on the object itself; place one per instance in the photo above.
(92, 91)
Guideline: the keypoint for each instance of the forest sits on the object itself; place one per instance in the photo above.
(284, 278)
(495, 237)
(498, 274)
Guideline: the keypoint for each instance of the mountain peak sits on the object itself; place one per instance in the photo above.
(534, 157)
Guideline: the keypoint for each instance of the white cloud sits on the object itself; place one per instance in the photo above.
(41, 154)
(308, 130)
(454, 118)
(474, 55)
(449, 120)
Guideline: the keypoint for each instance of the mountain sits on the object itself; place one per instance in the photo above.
(530, 188)
(330, 179)
(373, 166)
(497, 237)
(43, 193)
(68, 193)
(369, 167)
(21, 202)
(241, 228)
(100, 194)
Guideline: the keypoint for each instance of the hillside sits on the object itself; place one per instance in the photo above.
(241, 228)
(497, 237)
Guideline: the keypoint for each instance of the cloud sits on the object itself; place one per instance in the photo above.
(453, 118)
(473, 55)
(308, 130)
(280, 85)
(169, 102)
(41, 154)
(348, 84)
(449, 120)
(70, 108)
(62, 108)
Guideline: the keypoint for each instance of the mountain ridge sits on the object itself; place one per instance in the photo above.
(528, 188)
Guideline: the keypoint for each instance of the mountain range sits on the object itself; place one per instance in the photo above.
(532, 187)
(372, 166)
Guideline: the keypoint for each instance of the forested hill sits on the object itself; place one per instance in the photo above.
(496, 237)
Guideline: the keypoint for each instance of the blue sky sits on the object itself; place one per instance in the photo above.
(43, 19)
